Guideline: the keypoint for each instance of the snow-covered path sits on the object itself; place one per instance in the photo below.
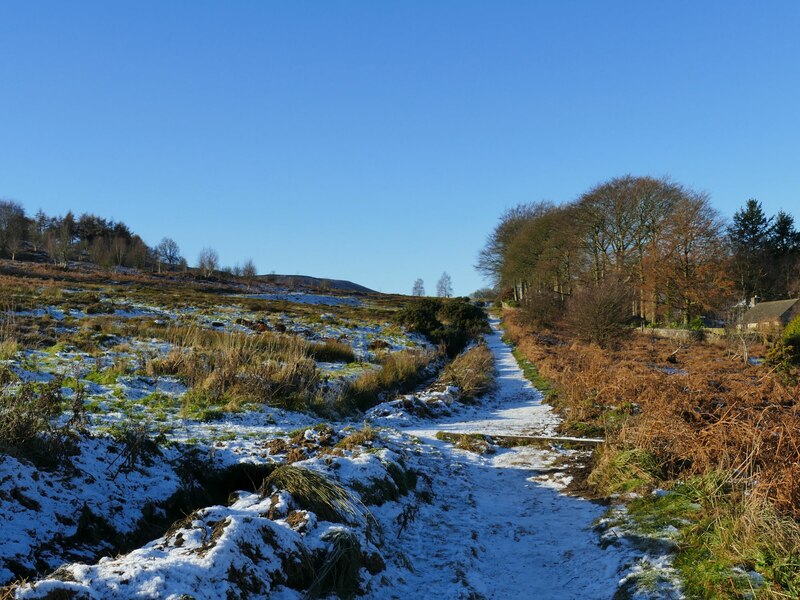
(499, 527)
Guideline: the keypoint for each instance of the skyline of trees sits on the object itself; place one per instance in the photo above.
(665, 243)
(105, 243)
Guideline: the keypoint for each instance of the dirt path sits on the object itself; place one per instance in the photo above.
(499, 527)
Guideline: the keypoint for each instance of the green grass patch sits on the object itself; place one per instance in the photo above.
(105, 377)
(620, 471)
(532, 374)
(720, 533)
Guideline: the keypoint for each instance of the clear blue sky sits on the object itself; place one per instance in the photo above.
(380, 141)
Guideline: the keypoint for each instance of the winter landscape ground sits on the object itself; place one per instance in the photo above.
(155, 446)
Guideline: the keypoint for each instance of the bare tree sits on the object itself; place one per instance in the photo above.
(249, 271)
(100, 253)
(59, 246)
(601, 313)
(168, 253)
(13, 244)
(13, 227)
(119, 246)
(693, 265)
(444, 288)
(208, 262)
(419, 288)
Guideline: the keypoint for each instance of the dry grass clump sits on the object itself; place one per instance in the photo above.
(472, 372)
(229, 369)
(332, 351)
(314, 492)
(360, 437)
(471, 442)
(8, 349)
(339, 571)
(399, 372)
(8, 339)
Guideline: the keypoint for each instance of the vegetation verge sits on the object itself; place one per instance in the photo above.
(703, 449)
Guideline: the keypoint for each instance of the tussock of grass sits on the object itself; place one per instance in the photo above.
(625, 471)
(332, 351)
(339, 572)
(232, 369)
(314, 492)
(361, 437)
(399, 372)
(472, 372)
(8, 349)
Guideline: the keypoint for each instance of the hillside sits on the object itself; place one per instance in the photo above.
(317, 283)
(165, 437)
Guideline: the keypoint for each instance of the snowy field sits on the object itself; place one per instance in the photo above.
(407, 515)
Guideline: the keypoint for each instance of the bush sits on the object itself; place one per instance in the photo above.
(28, 421)
(541, 311)
(791, 338)
(602, 314)
(450, 323)
(784, 355)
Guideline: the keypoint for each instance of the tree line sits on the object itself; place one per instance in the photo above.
(103, 242)
(656, 246)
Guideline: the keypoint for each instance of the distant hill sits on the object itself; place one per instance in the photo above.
(315, 283)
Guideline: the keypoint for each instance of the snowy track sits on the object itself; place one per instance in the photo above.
(496, 526)
(499, 526)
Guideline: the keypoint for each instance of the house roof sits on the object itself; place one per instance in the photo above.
(769, 311)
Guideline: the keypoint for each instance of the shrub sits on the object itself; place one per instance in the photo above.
(791, 338)
(28, 421)
(541, 311)
(784, 355)
(601, 314)
(451, 323)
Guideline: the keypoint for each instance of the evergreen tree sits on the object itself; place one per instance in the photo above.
(748, 236)
(783, 237)
(784, 253)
